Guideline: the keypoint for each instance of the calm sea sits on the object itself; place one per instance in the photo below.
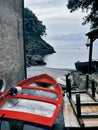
(68, 52)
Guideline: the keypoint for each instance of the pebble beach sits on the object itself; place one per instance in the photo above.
(54, 72)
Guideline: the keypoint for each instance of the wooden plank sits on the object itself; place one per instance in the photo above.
(92, 122)
(70, 119)
(84, 98)
(76, 112)
(89, 110)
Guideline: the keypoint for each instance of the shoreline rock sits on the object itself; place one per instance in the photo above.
(37, 60)
(37, 48)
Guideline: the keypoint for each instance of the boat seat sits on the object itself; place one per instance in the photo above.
(5, 125)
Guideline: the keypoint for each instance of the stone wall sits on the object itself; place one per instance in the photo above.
(11, 41)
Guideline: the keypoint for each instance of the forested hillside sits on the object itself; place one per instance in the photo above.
(36, 47)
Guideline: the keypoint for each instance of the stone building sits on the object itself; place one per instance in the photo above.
(12, 67)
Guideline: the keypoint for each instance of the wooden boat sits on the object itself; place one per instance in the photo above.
(84, 66)
(36, 100)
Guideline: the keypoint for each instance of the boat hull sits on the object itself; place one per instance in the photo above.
(84, 66)
(39, 102)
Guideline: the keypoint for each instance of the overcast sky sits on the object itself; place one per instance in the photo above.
(59, 22)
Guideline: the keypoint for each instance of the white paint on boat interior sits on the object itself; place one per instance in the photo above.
(29, 106)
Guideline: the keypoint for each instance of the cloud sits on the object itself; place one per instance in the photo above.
(44, 3)
(70, 37)
(46, 9)
(57, 18)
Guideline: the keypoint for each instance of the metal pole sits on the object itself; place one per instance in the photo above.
(69, 88)
(87, 80)
(78, 105)
(25, 70)
(93, 88)
(90, 55)
(67, 82)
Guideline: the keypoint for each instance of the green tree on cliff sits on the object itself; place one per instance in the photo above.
(89, 6)
(34, 44)
(33, 27)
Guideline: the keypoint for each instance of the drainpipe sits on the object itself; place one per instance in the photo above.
(25, 70)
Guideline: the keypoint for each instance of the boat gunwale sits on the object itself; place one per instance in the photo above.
(37, 79)
(28, 117)
(47, 121)
(9, 113)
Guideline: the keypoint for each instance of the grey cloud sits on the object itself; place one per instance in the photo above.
(45, 3)
(58, 19)
(70, 37)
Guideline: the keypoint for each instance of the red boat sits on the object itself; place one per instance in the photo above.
(37, 100)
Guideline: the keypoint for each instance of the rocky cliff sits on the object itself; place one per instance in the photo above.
(36, 49)
(35, 46)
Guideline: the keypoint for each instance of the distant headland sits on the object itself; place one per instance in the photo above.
(36, 48)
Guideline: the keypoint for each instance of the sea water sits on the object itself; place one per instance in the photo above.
(69, 52)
